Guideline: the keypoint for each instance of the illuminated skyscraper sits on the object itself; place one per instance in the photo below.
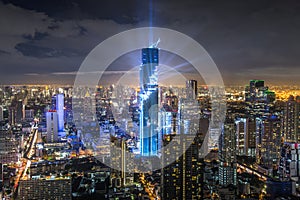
(268, 140)
(119, 158)
(60, 111)
(227, 154)
(289, 161)
(8, 147)
(149, 140)
(188, 111)
(259, 99)
(166, 122)
(172, 172)
(246, 136)
(255, 90)
(52, 126)
(19, 111)
(191, 87)
(291, 120)
(183, 178)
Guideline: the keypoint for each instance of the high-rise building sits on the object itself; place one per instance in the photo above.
(255, 90)
(169, 113)
(191, 87)
(8, 148)
(289, 165)
(172, 101)
(203, 131)
(192, 168)
(4, 114)
(29, 114)
(172, 172)
(120, 162)
(268, 140)
(183, 178)
(189, 111)
(12, 115)
(298, 117)
(188, 117)
(291, 120)
(60, 189)
(259, 99)
(1, 113)
(60, 111)
(246, 136)
(227, 154)
(149, 137)
(166, 122)
(19, 111)
(52, 126)
(241, 136)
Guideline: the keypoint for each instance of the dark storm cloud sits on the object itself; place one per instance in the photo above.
(32, 50)
(120, 11)
(246, 39)
(37, 36)
(4, 52)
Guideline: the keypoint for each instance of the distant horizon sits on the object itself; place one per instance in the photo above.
(199, 85)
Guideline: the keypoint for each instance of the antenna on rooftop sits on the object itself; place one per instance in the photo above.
(154, 45)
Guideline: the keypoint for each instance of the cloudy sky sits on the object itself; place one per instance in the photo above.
(46, 41)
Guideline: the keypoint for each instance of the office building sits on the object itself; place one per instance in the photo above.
(289, 165)
(291, 120)
(12, 115)
(268, 141)
(58, 189)
(8, 147)
(191, 89)
(121, 162)
(166, 122)
(188, 117)
(189, 111)
(52, 126)
(19, 111)
(255, 90)
(259, 99)
(172, 171)
(246, 136)
(169, 112)
(227, 154)
(182, 178)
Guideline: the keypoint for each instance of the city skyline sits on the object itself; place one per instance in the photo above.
(149, 100)
(98, 153)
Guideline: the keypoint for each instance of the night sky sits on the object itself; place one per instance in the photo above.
(44, 42)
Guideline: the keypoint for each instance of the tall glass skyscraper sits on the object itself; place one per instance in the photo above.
(227, 154)
(291, 120)
(60, 111)
(191, 87)
(52, 126)
(149, 140)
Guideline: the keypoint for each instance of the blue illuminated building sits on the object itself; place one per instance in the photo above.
(60, 111)
(149, 138)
